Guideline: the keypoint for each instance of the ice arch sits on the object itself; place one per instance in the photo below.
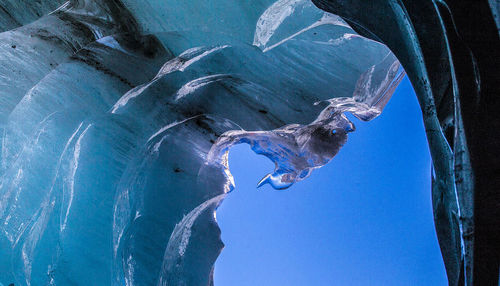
(115, 117)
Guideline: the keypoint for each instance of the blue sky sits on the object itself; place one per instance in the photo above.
(363, 219)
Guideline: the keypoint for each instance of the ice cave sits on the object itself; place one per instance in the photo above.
(117, 116)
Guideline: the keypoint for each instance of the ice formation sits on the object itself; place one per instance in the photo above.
(116, 118)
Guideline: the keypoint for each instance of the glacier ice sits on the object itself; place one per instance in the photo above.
(298, 149)
(116, 118)
(449, 49)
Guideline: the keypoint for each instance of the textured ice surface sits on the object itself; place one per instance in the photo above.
(297, 149)
(116, 120)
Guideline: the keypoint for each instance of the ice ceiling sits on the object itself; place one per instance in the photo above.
(116, 118)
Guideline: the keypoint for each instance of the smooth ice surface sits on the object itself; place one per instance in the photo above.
(363, 219)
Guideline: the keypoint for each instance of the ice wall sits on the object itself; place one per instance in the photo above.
(116, 118)
(450, 50)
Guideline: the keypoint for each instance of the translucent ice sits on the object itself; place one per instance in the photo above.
(116, 118)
